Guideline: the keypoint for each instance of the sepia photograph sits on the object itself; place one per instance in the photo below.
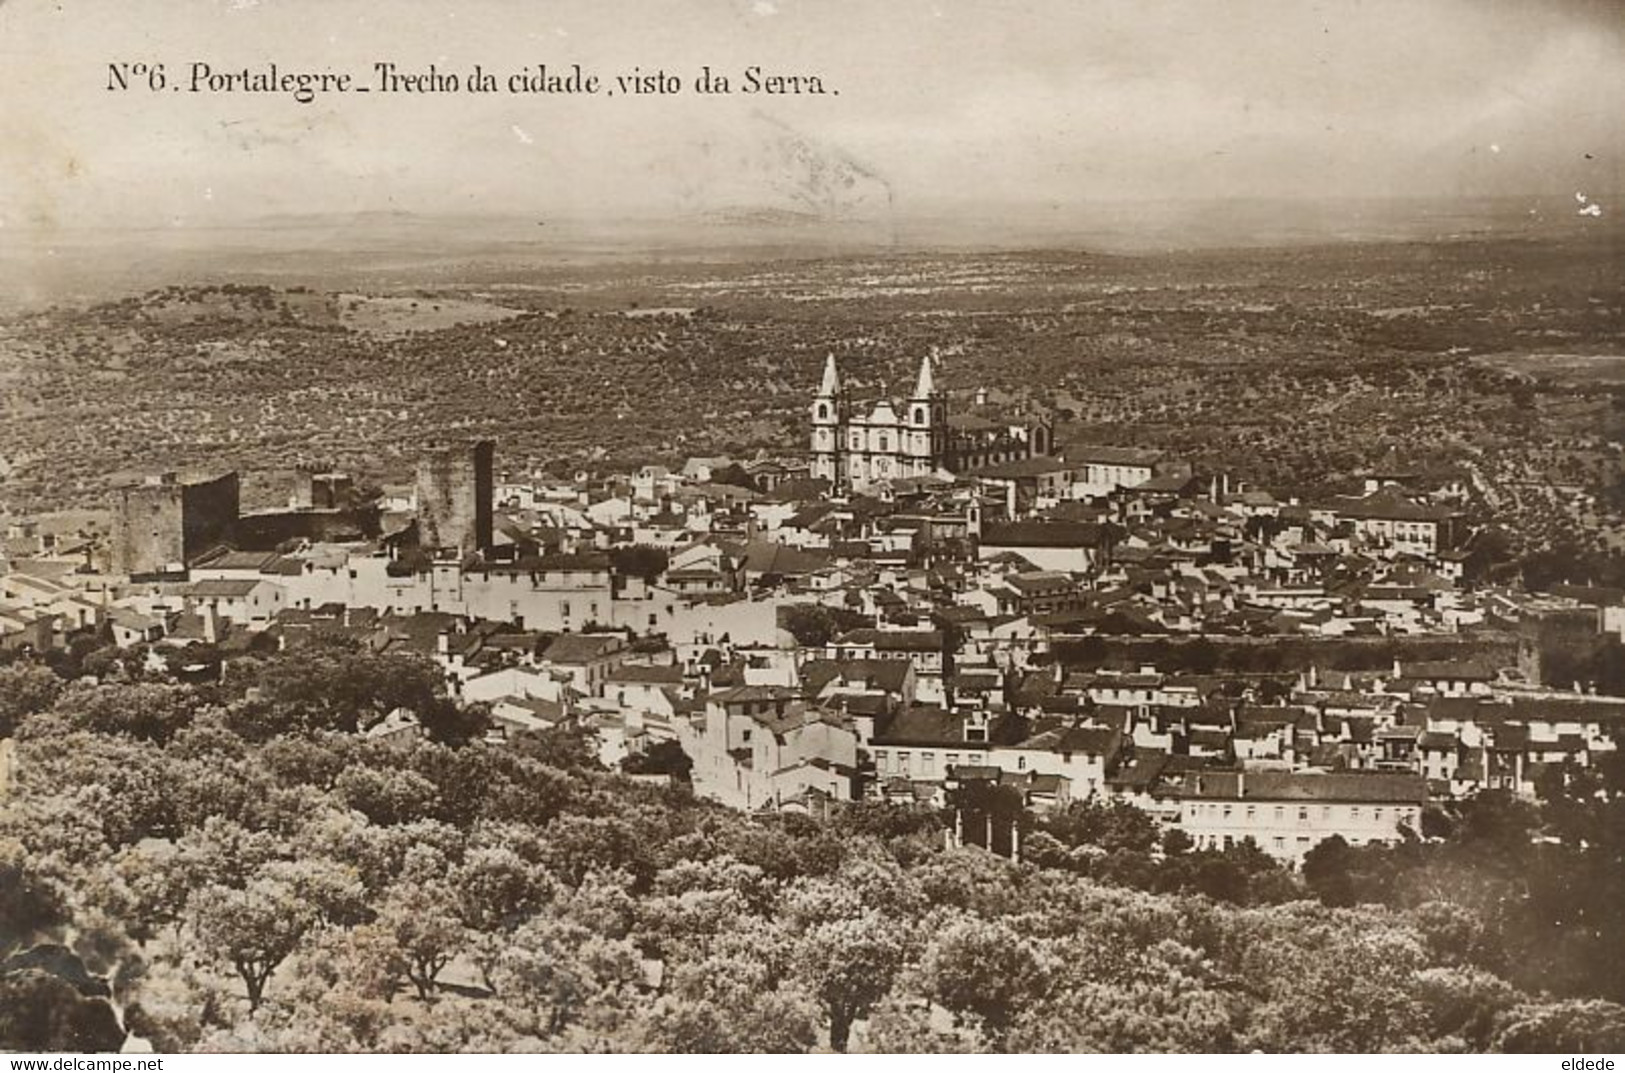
(990, 527)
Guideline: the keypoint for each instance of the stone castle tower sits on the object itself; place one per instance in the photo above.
(166, 522)
(454, 492)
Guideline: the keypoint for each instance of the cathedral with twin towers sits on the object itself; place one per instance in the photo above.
(857, 446)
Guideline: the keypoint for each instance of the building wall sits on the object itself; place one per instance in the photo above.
(1543, 638)
(1086, 771)
(928, 763)
(974, 450)
(146, 534)
(454, 493)
(1413, 537)
(208, 511)
(541, 600)
(166, 522)
(512, 682)
(268, 530)
(1102, 478)
(1287, 830)
(260, 606)
(1066, 560)
(888, 443)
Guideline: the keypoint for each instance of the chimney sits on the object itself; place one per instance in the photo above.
(211, 625)
(1241, 783)
(1397, 672)
(442, 643)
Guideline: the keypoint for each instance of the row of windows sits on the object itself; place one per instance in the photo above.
(1302, 843)
(1281, 814)
(921, 415)
(928, 760)
(883, 444)
(1095, 474)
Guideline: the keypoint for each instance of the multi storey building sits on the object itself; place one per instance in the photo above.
(915, 437)
(1288, 814)
(892, 441)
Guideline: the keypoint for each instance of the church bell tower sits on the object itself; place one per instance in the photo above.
(828, 427)
(926, 437)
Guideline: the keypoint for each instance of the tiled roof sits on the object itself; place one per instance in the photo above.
(1111, 456)
(222, 589)
(1038, 534)
(581, 648)
(1279, 786)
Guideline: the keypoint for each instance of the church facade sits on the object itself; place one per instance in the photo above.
(890, 441)
(855, 446)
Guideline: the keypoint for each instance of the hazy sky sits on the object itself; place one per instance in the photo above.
(942, 104)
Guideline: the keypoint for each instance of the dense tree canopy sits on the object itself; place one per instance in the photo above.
(242, 869)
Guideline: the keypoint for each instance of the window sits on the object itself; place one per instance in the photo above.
(885, 442)
(1376, 814)
(1303, 815)
(1251, 813)
(1021, 763)
(1280, 813)
(1354, 813)
(823, 411)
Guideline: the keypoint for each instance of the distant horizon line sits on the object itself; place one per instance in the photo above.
(1014, 212)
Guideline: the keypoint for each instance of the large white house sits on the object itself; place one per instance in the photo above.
(1288, 814)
